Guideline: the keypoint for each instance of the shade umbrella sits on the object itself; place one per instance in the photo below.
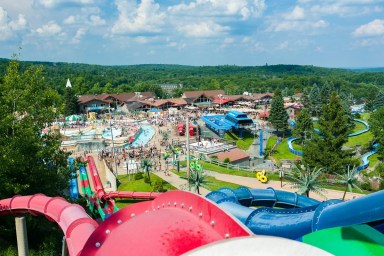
(74, 118)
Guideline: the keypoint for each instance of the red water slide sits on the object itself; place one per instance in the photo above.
(172, 224)
(72, 219)
(118, 194)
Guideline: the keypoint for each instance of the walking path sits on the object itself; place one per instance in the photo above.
(176, 181)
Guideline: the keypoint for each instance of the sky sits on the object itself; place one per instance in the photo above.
(326, 33)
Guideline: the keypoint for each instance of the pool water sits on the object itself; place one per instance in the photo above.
(146, 134)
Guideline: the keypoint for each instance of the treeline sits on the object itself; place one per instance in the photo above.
(96, 79)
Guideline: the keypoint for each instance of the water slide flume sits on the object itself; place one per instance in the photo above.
(364, 157)
(130, 229)
(301, 215)
(75, 223)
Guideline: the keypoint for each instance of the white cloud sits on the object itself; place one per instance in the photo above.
(138, 18)
(95, 20)
(8, 27)
(244, 8)
(5, 29)
(203, 29)
(49, 29)
(54, 3)
(79, 35)
(373, 28)
(19, 24)
(345, 8)
(70, 20)
(296, 14)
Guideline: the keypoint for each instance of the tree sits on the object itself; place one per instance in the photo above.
(326, 147)
(379, 101)
(30, 162)
(306, 180)
(349, 179)
(278, 116)
(71, 102)
(315, 101)
(146, 165)
(377, 127)
(303, 125)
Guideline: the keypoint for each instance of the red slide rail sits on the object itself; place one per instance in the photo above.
(95, 178)
(77, 226)
(133, 195)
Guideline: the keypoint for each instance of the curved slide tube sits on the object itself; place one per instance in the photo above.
(364, 157)
(72, 219)
(296, 222)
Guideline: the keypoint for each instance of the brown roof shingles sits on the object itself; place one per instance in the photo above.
(233, 155)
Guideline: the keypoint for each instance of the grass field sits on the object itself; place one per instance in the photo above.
(139, 186)
(210, 182)
(242, 143)
(282, 150)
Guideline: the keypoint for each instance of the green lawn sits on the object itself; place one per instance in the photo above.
(210, 182)
(362, 139)
(139, 186)
(282, 150)
(221, 169)
(242, 143)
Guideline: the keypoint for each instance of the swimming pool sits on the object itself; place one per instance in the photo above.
(146, 134)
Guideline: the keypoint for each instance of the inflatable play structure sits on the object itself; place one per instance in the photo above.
(225, 222)
(364, 158)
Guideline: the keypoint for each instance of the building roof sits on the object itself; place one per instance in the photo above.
(121, 97)
(88, 98)
(233, 155)
(209, 94)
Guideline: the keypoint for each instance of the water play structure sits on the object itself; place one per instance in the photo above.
(220, 124)
(364, 158)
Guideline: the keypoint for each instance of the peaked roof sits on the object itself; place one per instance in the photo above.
(68, 84)
(209, 94)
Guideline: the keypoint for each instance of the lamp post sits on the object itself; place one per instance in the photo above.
(113, 143)
(281, 175)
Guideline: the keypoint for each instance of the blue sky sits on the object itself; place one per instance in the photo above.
(327, 33)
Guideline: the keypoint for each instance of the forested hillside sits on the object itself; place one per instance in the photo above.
(97, 79)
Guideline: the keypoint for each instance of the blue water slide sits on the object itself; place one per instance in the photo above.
(296, 215)
(73, 188)
(364, 157)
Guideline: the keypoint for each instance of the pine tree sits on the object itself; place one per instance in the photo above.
(303, 125)
(278, 116)
(377, 126)
(325, 149)
(315, 101)
(71, 102)
(379, 101)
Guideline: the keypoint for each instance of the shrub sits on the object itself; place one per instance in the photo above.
(146, 179)
(159, 186)
(227, 160)
(139, 176)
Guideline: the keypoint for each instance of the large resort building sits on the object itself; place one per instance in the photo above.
(144, 101)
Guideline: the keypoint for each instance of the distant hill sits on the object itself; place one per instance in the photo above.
(378, 69)
(95, 79)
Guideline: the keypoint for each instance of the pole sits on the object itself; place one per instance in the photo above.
(22, 238)
(64, 248)
(113, 142)
(188, 154)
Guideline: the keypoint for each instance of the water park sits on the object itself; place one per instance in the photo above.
(224, 221)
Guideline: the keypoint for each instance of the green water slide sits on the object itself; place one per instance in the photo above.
(352, 240)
